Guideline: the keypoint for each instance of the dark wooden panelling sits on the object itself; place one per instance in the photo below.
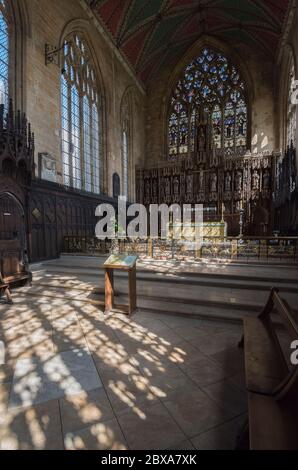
(56, 212)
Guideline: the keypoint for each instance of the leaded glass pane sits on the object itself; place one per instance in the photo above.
(126, 141)
(217, 126)
(80, 122)
(210, 83)
(4, 56)
(125, 164)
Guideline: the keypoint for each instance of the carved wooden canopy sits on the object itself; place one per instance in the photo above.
(16, 146)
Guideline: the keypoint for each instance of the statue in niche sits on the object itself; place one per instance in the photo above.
(147, 188)
(255, 180)
(189, 182)
(228, 180)
(154, 188)
(238, 206)
(167, 187)
(176, 186)
(238, 181)
(213, 182)
(201, 181)
(266, 180)
(201, 140)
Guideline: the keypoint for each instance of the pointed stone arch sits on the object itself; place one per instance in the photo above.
(81, 28)
(190, 55)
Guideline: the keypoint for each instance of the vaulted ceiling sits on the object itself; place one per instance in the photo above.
(153, 32)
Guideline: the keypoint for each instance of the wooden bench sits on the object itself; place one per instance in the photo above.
(271, 380)
(5, 289)
(13, 272)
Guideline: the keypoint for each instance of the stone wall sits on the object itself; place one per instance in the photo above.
(289, 48)
(48, 22)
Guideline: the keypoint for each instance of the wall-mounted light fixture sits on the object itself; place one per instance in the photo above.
(52, 54)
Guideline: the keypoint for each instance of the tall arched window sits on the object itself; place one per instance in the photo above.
(126, 144)
(211, 84)
(124, 164)
(291, 108)
(4, 54)
(81, 145)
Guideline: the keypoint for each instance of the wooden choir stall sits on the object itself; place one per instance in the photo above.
(16, 170)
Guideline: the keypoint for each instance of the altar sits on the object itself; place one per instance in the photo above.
(226, 181)
(201, 230)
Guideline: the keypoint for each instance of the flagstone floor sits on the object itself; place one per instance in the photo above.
(76, 379)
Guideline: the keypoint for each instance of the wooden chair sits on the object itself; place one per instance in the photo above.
(271, 380)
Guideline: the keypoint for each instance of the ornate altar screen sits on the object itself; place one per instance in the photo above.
(207, 160)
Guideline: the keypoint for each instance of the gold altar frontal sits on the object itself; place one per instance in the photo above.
(201, 230)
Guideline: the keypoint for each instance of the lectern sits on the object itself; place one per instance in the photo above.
(122, 263)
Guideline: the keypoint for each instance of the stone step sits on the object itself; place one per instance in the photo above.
(200, 312)
(95, 274)
(196, 271)
(244, 262)
(181, 293)
(215, 293)
(203, 308)
(161, 286)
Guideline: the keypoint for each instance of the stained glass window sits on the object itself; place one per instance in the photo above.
(124, 164)
(291, 108)
(210, 83)
(4, 54)
(81, 145)
(126, 125)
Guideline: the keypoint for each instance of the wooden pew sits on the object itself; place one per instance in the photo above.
(271, 380)
(5, 289)
(13, 272)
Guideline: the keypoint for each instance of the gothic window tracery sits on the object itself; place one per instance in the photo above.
(81, 127)
(210, 83)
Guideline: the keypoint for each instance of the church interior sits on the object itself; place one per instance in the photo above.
(155, 102)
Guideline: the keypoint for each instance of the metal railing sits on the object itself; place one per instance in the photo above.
(212, 247)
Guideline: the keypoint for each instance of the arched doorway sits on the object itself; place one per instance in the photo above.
(12, 219)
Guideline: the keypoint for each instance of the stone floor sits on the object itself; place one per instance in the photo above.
(217, 290)
(75, 379)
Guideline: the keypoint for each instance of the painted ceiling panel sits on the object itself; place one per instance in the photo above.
(152, 32)
(141, 11)
(135, 44)
(114, 14)
(163, 31)
(180, 3)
